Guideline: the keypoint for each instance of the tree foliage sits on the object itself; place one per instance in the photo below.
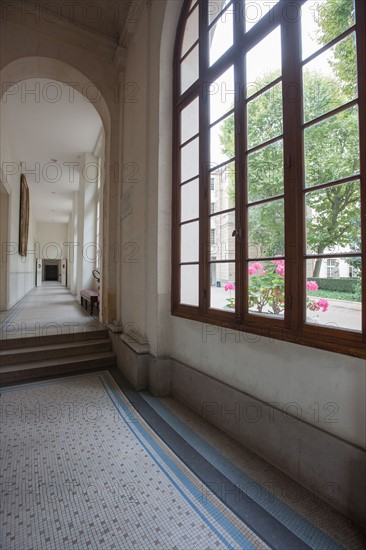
(331, 150)
(334, 17)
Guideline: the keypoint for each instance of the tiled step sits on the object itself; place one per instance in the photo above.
(87, 335)
(53, 351)
(49, 367)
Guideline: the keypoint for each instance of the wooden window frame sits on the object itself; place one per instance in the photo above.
(293, 327)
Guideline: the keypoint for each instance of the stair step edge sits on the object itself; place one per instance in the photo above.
(11, 343)
(52, 347)
(57, 362)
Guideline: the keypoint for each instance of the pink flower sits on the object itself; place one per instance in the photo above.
(312, 286)
(229, 286)
(280, 269)
(313, 306)
(252, 269)
(323, 304)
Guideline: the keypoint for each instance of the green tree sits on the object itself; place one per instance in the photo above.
(331, 150)
(334, 17)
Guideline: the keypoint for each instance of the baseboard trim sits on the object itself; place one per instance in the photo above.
(329, 466)
(332, 468)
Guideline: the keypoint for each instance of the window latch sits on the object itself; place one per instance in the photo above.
(236, 233)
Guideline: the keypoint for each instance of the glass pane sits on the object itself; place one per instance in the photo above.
(254, 11)
(326, 84)
(265, 172)
(189, 242)
(189, 201)
(323, 21)
(214, 8)
(221, 93)
(222, 188)
(222, 243)
(267, 287)
(190, 32)
(189, 285)
(264, 116)
(222, 289)
(333, 221)
(263, 62)
(189, 70)
(333, 292)
(222, 143)
(332, 148)
(190, 160)
(189, 121)
(221, 35)
(266, 229)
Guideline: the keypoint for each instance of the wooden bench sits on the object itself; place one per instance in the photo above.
(91, 296)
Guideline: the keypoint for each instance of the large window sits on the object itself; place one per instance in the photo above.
(269, 169)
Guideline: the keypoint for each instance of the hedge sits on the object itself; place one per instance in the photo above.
(338, 285)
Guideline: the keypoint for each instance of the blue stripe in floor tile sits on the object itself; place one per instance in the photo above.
(300, 526)
(193, 490)
(69, 470)
(261, 522)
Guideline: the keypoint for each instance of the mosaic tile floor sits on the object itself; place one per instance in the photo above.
(49, 309)
(81, 468)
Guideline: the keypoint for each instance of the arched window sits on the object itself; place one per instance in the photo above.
(269, 169)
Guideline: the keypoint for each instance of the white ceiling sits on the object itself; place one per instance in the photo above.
(43, 129)
(103, 16)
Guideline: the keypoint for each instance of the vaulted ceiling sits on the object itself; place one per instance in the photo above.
(107, 17)
(48, 135)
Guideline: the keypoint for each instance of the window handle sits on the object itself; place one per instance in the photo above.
(236, 233)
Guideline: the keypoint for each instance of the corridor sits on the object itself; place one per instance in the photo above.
(87, 465)
(46, 310)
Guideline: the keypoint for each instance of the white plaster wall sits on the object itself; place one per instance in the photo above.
(133, 248)
(51, 240)
(145, 283)
(86, 224)
(21, 270)
(4, 205)
(90, 213)
(73, 242)
(312, 383)
(164, 325)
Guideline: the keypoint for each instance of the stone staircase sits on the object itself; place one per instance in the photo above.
(29, 358)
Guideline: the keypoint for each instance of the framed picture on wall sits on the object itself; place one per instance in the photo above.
(23, 216)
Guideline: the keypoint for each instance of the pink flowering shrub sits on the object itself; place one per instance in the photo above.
(229, 286)
(323, 304)
(267, 286)
(231, 300)
(314, 305)
(312, 285)
(267, 289)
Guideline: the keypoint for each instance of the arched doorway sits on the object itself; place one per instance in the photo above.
(21, 70)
